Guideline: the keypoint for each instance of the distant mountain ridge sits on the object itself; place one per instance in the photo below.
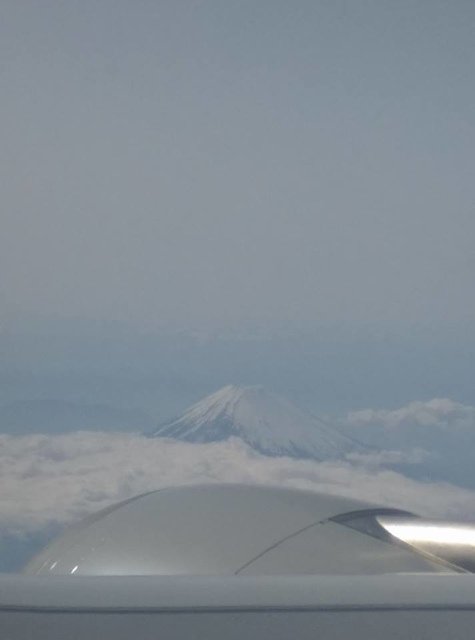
(265, 421)
(61, 416)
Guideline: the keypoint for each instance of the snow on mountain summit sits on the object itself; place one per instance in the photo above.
(264, 420)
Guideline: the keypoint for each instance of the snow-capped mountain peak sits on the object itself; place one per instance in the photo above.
(264, 420)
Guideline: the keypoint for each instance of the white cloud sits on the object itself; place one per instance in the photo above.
(389, 457)
(50, 479)
(438, 412)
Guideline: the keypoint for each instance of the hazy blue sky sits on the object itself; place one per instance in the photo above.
(250, 163)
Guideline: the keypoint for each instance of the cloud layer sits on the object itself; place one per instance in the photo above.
(438, 412)
(54, 479)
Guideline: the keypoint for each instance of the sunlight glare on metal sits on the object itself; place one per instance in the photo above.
(431, 533)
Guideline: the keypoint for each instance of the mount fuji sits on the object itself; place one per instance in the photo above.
(268, 423)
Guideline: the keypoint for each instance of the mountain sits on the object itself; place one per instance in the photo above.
(265, 421)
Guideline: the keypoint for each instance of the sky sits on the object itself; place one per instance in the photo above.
(226, 166)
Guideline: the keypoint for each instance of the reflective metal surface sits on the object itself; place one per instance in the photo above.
(200, 530)
(256, 532)
(332, 549)
(451, 542)
(229, 529)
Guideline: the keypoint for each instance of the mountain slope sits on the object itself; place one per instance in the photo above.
(265, 421)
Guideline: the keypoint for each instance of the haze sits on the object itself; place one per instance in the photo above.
(209, 165)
